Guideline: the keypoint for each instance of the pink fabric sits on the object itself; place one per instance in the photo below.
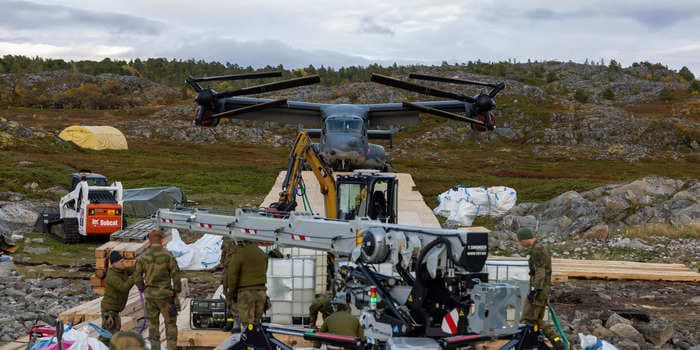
(66, 346)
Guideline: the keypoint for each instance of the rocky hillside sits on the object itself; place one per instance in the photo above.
(558, 110)
(633, 219)
(66, 89)
(574, 112)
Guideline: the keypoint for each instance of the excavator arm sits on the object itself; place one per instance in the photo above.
(303, 152)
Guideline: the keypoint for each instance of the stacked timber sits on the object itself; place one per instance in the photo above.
(624, 270)
(137, 232)
(563, 269)
(129, 242)
(129, 250)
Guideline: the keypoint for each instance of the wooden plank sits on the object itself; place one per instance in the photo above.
(490, 345)
(96, 281)
(634, 275)
(614, 269)
(69, 315)
(136, 232)
(18, 344)
(101, 264)
(130, 250)
(559, 277)
(103, 251)
(294, 341)
(206, 338)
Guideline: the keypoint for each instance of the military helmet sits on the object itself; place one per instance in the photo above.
(127, 341)
(525, 233)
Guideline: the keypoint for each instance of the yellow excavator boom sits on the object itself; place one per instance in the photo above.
(304, 152)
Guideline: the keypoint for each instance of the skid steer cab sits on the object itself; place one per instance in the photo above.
(91, 208)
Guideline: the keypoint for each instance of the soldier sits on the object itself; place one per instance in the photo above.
(158, 276)
(246, 282)
(228, 247)
(117, 286)
(343, 323)
(321, 304)
(540, 263)
(127, 341)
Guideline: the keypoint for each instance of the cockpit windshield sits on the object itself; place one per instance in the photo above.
(344, 125)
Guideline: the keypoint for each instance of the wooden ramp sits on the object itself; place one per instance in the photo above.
(412, 209)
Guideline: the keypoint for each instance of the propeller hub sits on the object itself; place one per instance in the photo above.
(206, 98)
(484, 103)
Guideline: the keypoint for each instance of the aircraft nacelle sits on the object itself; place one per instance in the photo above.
(203, 117)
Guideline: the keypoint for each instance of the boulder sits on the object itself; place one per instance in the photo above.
(627, 344)
(658, 333)
(606, 298)
(615, 203)
(557, 206)
(580, 225)
(500, 238)
(615, 319)
(692, 192)
(554, 226)
(600, 231)
(7, 268)
(627, 243)
(602, 332)
(18, 213)
(627, 332)
(652, 186)
(37, 250)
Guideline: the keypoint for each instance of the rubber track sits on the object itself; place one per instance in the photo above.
(68, 232)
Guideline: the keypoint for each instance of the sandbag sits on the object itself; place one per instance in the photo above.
(463, 214)
(501, 199)
(447, 202)
(460, 205)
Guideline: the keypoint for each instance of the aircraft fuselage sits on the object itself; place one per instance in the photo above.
(344, 143)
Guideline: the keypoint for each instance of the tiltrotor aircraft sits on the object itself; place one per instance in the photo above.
(346, 128)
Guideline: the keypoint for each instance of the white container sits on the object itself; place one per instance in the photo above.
(290, 286)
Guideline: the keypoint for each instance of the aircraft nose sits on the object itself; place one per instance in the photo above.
(345, 143)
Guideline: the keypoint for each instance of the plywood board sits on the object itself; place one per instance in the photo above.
(411, 207)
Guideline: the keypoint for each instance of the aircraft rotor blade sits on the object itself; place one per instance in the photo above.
(382, 79)
(237, 76)
(496, 89)
(278, 85)
(252, 108)
(441, 113)
(192, 83)
(449, 80)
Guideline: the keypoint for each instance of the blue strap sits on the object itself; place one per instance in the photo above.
(101, 331)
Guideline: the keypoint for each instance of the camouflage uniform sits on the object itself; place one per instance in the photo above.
(127, 341)
(540, 264)
(158, 275)
(343, 323)
(246, 276)
(228, 248)
(321, 304)
(117, 285)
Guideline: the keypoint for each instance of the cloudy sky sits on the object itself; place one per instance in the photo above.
(302, 32)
